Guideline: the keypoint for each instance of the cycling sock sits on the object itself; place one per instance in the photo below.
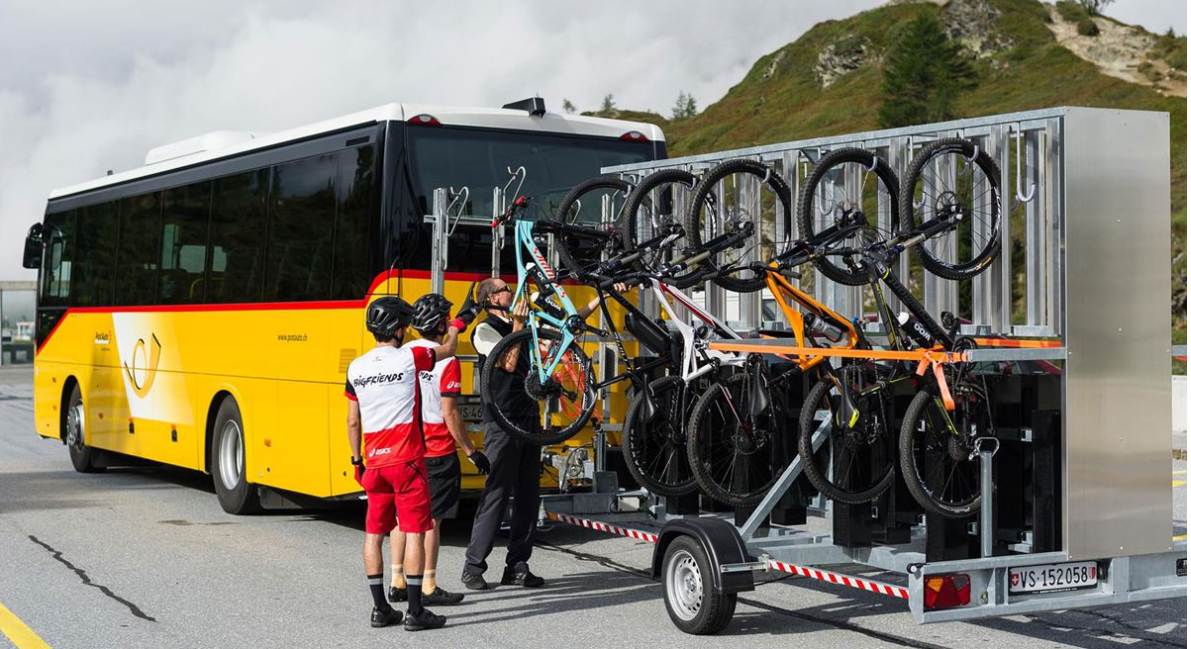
(415, 593)
(376, 584)
(398, 575)
(428, 583)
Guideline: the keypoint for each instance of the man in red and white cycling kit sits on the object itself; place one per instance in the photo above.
(385, 414)
(444, 429)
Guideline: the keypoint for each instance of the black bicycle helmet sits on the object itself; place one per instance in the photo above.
(387, 315)
(430, 310)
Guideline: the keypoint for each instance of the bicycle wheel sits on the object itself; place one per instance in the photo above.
(938, 459)
(949, 178)
(856, 464)
(731, 452)
(655, 449)
(546, 412)
(655, 205)
(739, 204)
(584, 206)
(843, 182)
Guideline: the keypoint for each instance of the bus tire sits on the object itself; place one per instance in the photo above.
(74, 433)
(692, 601)
(236, 495)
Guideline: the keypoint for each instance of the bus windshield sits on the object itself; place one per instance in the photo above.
(479, 159)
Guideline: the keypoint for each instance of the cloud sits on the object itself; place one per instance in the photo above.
(86, 87)
(89, 86)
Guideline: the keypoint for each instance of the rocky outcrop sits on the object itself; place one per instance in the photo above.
(773, 64)
(973, 24)
(840, 58)
(1120, 51)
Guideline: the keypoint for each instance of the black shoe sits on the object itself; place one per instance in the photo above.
(521, 577)
(382, 617)
(426, 620)
(440, 596)
(398, 594)
(473, 581)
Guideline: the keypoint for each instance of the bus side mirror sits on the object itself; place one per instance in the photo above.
(34, 245)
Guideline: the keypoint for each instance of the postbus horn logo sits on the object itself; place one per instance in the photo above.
(141, 378)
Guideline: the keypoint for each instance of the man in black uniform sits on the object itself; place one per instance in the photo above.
(516, 466)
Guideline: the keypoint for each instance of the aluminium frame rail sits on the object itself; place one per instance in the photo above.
(1038, 203)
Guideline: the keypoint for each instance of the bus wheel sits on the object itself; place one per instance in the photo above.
(236, 495)
(692, 602)
(74, 433)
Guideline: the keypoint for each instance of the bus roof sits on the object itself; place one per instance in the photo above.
(225, 144)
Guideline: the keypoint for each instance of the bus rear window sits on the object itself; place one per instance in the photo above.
(479, 159)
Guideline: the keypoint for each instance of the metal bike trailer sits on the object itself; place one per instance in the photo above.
(1092, 196)
(935, 591)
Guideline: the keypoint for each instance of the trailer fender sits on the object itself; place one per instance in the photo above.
(722, 543)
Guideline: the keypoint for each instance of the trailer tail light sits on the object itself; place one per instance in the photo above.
(947, 591)
(425, 120)
(634, 136)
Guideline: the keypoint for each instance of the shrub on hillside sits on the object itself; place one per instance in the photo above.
(1071, 11)
(1172, 49)
(924, 74)
(1087, 27)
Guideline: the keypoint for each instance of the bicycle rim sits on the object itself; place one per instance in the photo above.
(731, 453)
(656, 449)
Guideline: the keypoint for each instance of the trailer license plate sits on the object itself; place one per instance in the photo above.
(1053, 577)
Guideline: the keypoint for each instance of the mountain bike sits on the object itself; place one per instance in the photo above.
(559, 382)
(936, 446)
(737, 424)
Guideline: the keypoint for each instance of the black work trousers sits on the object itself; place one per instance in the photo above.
(516, 472)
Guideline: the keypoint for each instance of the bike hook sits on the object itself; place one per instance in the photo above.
(458, 198)
(1029, 195)
(824, 211)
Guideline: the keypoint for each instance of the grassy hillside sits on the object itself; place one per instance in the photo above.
(782, 98)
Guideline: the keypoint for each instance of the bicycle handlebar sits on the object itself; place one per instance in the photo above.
(716, 245)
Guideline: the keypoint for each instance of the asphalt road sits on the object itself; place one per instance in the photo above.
(146, 558)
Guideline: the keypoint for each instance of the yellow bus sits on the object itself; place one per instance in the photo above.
(201, 310)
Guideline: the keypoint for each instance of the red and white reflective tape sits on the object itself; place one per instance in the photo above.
(843, 580)
(812, 573)
(605, 527)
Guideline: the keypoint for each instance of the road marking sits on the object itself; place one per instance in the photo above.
(19, 632)
(1177, 483)
(1179, 472)
(1179, 538)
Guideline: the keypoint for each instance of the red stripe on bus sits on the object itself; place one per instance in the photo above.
(380, 279)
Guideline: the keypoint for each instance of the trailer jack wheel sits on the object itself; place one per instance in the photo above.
(687, 583)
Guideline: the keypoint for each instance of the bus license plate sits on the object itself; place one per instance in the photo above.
(1053, 577)
(470, 408)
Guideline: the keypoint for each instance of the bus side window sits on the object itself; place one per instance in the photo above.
(355, 209)
(136, 261)
(235, 264)
(184, 224)
(58, 259)
(301, 217)
(95, 260)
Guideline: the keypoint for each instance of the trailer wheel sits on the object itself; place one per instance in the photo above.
(693, 604)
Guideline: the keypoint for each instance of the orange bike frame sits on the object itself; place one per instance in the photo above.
(783, 292)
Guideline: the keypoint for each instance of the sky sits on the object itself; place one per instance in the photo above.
(90, 86)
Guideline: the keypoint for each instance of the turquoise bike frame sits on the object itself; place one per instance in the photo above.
(536, 317)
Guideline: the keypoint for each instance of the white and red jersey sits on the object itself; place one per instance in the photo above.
(442, 381)
(384, 381)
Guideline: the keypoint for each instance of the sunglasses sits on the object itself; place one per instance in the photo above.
(503, 289)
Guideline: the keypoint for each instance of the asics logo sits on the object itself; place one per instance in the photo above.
(379, 451)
